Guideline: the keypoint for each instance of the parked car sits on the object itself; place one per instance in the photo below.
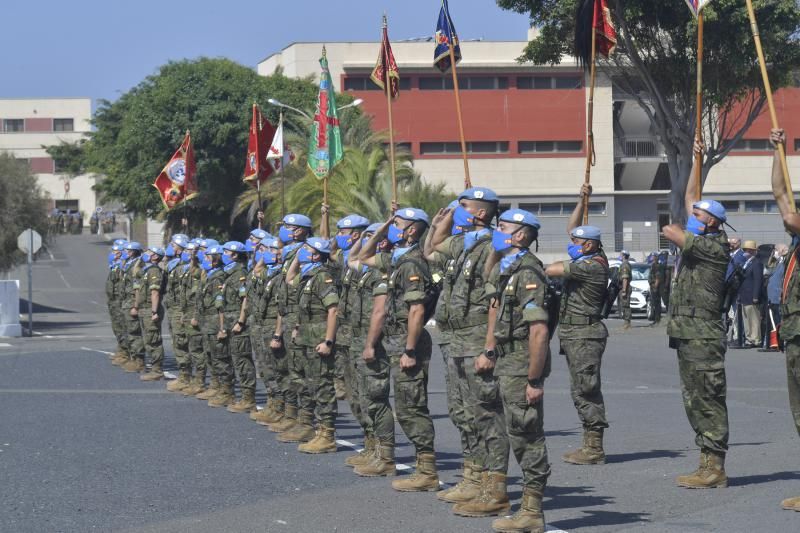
(640, 287)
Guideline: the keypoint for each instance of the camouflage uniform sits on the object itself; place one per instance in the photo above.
(239, 346)
(192, 281)
(317, 294)
(133, 272)
(582, 335)
(520, 293)
(153, 279)
(406, 286)
(656, 275)
(468, 308)
(790, 330)
(346, 344)
(173, 300)
(625, 295)
(697, 330)
(293, 387)
(262, 315)
(210, 304)
(114, 297)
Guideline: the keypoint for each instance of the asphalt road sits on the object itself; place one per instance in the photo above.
(86, 447)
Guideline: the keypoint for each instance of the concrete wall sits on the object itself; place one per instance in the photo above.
(9, 309)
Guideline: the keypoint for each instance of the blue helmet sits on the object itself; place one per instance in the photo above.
(713, 208)
(413, 214)
(134, 246)
(180, 239)
(319, 244)
(233, 246)
(587, 232)
(522, 217)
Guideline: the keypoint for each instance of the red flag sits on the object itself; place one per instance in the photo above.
(257, 169)
(177, 183)
(386, 66)
(605, 33)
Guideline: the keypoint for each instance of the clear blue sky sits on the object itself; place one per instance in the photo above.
(101, 48)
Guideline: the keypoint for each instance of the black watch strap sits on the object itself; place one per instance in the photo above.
(328, 343)
(410, 352)
(537, 383)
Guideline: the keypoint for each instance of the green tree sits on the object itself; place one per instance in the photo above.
(655, 64)
(22, 206)
(135, 135)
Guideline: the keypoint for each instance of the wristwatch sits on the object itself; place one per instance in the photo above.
(537, 383)
(277, 338)
(410, 352)
(328, 343)
(490, 354)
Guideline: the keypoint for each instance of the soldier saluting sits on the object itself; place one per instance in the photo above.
(697, 330)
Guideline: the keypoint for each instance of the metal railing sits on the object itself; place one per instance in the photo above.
(637, 147)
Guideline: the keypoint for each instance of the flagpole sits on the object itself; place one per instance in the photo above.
(283, 177)
(388, 88)
(324, 223)
(467, 180)
(587, 175)
(768, 90)
(698, 134)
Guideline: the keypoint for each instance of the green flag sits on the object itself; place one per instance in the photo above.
(325, 145)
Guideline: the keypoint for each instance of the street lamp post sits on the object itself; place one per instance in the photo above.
(272, 101)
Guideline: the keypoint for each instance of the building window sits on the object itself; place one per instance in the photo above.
(543, 147)
(477, 147)
(427, 83)
(559, 209)
(797, 145)
(399, 146)
(360, 83)
(63, 124)
(752, 145)
(760, 206)
(549, 82)
(13, 125)
(405, 83)
(731, 206)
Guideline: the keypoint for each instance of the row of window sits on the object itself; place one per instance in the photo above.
(17, 125)
(483, 83)
(501, 147)
(558, 209)
(759, 145)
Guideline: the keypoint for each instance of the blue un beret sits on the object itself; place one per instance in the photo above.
(295, 219)
(413, 214)
(587, 232)
(133, 245)
(713, 208)
(233, 246)
(479, 193)
(352, 221)
(520, 216)
(372, 228)
(319, 244)
(258, 234)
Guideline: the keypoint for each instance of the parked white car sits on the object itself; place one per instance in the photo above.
(640, 287)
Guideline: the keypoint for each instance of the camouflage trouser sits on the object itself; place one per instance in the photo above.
(655, 303)
(133, 327)
(282, 380)
(151, 332)
(118, 326)
(319, 374)
(221, 363)
(411, 391)
(180, 340)
(242, 358)
(793, 373)
(265, 362)
(340, 369)
(455, 402)
(701, 363)
(486, 407)
(354, 379)
(297, 377)
(525, 425)
(375, 386)
(625, 303)
(583, 359)
(197, 350)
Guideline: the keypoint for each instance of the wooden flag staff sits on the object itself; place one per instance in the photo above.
(587, 175)
(467, 180)
(698, 133)
(768, 91)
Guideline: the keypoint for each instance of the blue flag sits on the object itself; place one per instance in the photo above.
(445, 37)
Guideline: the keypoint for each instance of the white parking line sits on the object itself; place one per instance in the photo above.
(98, 351)
(64, 279)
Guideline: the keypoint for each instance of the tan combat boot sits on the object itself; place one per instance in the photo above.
(591, 453)
(120, 358)
(626, 325)
(791, 504)
(134, 365)
(365, 455)
(382, 463)
(493, 500)
(273, 416)
(468, 488)
(529, 518)
(709, 475)
(286, 422)
(424, 477)
(246, 404)
(224, 398)
(178, 385)
(324, 442)
(211, 391)
(267, 409)
(155, 374)
(196, 386)
(302, 431)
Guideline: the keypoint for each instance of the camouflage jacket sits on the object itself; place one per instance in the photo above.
(585, 286)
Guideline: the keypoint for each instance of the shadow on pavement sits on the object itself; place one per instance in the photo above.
(39, 308)
(638, 456)
(741, 481)
(42, 326)
(599, 518)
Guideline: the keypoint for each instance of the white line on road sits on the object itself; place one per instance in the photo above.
(46, 249)
(98, 351)
(4, 345)
(64, 279)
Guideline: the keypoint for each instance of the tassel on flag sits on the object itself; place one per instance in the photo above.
(386, 66)
(696, 6)
(279, 154)
(444, 38)
(177, 182)
(325, 145)
(594, 15)
(257, 169)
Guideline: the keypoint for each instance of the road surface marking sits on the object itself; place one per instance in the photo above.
(4, 345)
(64, 279)
(98, 351)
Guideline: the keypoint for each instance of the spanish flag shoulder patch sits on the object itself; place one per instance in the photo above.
(531, 286)
(413, 278)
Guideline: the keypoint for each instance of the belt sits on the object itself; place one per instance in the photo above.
(477, 319)
(579, 320)
(695, 312)
(503, 349)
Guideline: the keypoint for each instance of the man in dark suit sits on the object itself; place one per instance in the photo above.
(750, 295)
